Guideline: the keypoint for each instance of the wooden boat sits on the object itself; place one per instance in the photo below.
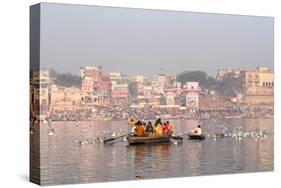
(148, 139)
(196, 136)
(131, 122)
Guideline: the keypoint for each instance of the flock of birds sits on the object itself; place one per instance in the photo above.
(101, 136)
(240, 134)
(236, 133)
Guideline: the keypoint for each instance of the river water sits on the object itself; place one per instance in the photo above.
(64, 160)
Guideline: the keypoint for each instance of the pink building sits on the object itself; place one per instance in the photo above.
(91, 76)
(104, 88)
(192, 91)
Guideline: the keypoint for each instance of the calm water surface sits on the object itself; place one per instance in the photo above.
(63, 160)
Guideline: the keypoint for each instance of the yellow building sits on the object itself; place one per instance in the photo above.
(63, 97)
(258, 85)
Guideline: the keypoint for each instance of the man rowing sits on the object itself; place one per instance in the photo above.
(197, 131)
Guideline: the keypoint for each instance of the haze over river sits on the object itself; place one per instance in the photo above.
(65, 160)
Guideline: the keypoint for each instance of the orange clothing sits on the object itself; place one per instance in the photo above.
(170, 128)
(139, 131)
(167, 129)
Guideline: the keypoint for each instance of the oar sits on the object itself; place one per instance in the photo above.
(112, 139)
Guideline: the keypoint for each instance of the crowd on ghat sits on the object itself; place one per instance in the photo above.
(146, 129)
(71, 115)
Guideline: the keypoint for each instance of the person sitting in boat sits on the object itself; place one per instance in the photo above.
(158, 121)
(159, 129)
(197, 131)
(167, 128)
(138, 122)
(139, 130)
(149, 128)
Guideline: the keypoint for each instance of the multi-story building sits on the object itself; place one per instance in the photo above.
(232, 73)
(65, 97)
(147, 90)
(90, 77)
(258, 85)
(158, 84)
(170, 100)
(174, 90)
(39, 94)
(87, 84)
(119, 86)
(192, 91)
(119, 91)
(91, 71)
(104, 89)
(116, 76)
(139, 79)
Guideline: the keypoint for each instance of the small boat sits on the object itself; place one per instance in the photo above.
(148, 139)
(131, 122)
(196, 136)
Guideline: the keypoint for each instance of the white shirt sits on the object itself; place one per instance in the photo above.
(197, 131)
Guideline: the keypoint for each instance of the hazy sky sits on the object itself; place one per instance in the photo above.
(137, 41)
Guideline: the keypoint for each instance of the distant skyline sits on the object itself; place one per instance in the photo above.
(139, 41)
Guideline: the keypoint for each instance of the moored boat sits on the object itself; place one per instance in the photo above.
(196, 136)
(131, 122)
(148, 139)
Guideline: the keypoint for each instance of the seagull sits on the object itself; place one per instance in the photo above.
(113, 134)
(175, 142)
(51, 132)
(124, 139)
(81, 142)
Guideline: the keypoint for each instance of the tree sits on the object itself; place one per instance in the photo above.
(65, 79)
(229, 86)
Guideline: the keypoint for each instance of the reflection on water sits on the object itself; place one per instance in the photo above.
(63, 160)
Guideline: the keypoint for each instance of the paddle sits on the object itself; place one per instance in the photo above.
(112, 139)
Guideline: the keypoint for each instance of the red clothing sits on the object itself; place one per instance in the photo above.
(167, 129)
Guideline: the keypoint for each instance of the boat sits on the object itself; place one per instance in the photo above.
(148, 139)
(196, 136)
(131, 122)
